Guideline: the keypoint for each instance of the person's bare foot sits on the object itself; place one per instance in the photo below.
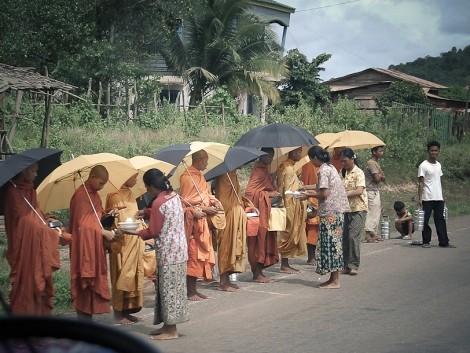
(227, 288)
(202, 295)
(346, 271)
(132, 318)
(331, 285)
(195, 298)
(262, 279)
(157, 331)
(124, 321)
(312, 263)
(289, 270)
(233, 285)
(352, 272)
(164, 336)
(325, 283)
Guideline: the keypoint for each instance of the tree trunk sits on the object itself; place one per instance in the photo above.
(108, 100)
(47, 122)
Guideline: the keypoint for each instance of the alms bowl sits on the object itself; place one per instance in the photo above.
(129, 225)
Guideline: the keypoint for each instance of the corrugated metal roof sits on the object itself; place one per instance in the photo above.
(393, 73)
(21, 78)
(274, 4)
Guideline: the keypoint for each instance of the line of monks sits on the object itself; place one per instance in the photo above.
(33, 247)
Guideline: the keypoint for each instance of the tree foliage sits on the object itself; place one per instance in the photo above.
(451, 69)
(225, 45)
(401, 92)
(303, 80)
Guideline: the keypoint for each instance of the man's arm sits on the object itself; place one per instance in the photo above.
(420, 191)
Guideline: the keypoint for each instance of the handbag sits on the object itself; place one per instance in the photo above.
(252, 222)
(277, 219)
(217, 221)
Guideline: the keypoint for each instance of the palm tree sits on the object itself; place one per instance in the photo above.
(225, 45)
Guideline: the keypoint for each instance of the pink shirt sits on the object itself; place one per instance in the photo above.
(167, 228)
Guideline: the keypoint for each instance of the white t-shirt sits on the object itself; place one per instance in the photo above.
(432, 173)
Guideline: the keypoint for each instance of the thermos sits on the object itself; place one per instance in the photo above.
(385, 228)
(446, 213)
(233, 277)
(419, 219)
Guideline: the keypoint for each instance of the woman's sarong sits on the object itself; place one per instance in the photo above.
(171, 305)
(330, 244)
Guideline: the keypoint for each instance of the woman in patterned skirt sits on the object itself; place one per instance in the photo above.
(167, 228)
(332, 203)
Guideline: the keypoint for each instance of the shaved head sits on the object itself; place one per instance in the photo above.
(99, 171)
(198, 156)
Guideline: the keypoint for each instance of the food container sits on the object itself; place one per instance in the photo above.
(418, 220)
(385, 228)
(129, 225)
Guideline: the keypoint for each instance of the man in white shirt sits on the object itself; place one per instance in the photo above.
(430, 196)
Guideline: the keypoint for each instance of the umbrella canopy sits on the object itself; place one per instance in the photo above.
(47, 159)
(327, 138)
(236, 157)
(144, 163)
(357, 139)
(216, 152)
(277, 135)
(280, 155)
(56, 191)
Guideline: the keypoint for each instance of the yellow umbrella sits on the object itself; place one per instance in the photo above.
(327, 138)
(57, 189)
(280, 155)
(356, 140)
(144, 163)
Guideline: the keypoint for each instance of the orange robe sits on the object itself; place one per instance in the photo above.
(201, 257)
(32, 254)
(126, 268)
(88, 266)
(231, 241)
(292, 242)
(309, 177)
(262, 248)
(336, 162)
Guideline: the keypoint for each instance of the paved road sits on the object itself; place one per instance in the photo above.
(405, 299)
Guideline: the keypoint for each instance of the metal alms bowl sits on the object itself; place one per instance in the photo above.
(129, 225)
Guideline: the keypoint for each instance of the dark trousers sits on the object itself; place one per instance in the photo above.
(436, 207)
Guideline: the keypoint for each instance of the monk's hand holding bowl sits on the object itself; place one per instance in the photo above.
(211, 210)
(139, 214)
(107, 234)
(198, 213)
(133, 232)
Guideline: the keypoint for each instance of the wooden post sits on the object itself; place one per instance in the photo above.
(204, 107)
(47, 122)
(136, 98)
(14, 119)
(108, 100)
(223, 115)
(88, 92)
(100, 91)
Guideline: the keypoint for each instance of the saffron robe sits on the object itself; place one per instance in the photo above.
(88, 265)
(292, 242)
(126, 268)
(309, 177)
(231, 241)
(262, 249)
(32, 253)
(201, 257)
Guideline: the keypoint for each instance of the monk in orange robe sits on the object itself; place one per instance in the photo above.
(292, 242)
(335, 159)
(32, 253)
(198, 203)
(88, 265)
(231, 241)
(126, 265)
(262, 249)
(309, 177)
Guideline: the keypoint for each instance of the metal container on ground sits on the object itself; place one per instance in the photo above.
(385, 228)
(418, 220)
(233, 277)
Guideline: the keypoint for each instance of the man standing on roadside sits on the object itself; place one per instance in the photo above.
(374, 176)
(430, 196)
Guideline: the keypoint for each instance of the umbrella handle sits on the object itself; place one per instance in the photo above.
(29, 203)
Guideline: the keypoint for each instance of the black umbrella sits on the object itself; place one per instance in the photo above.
(277, 135)
(235, 157)
(173, 154)
(47, 159)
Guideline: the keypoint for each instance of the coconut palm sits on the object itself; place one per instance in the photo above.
(225, 45)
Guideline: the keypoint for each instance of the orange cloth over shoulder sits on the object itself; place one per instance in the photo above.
(195, 191)
(32, 254)
(309, 176)
(262, 248)
(88, 266)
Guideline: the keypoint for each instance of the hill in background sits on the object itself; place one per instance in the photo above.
(450, 69)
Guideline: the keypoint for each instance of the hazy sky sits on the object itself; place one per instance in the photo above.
(376, 33)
